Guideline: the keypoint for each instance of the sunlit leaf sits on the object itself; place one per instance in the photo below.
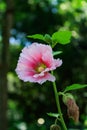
(36, 36)
(53, 114)
(62, 37)
(2, 6)
(75, 86)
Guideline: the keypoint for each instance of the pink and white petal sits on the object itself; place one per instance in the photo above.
(44, 78)
(27, 61)
(30, 58)
(47, 58)
(42, 73)
(57, 62)
(38, 50)
(38, 75)
(25, 73)
(42, 48)
(31, 53)
(21, 67)
(22, 62)
(26, 76)
(40, 80)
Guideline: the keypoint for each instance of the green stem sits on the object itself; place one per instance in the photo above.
(58, 106)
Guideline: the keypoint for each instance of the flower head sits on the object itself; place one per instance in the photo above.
(73, 110)
(35, 62)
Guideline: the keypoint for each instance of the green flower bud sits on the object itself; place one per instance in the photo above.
(55, 127)
(66, 97)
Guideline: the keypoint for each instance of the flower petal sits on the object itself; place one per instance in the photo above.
(34, 56)
(48, 59)
(46, 77)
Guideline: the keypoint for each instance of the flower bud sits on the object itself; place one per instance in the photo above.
(55, 127)
(66, 97)
(72, 108)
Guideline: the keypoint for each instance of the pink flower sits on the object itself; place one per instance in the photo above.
(35, 62)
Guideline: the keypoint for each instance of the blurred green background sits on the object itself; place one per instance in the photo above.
(26, 104)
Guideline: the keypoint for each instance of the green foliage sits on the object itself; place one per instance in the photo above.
(62, 37)
(36, 36)
(53, 114)
(2, 6)
(45, 38)
(75, 86)
(57, 53)
(67, 96)
(48, 39)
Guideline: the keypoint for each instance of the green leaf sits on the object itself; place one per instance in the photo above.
(62, 37)
(57, 53)
(53, 114)
(36, 36)
(47, 38)
(74, 87)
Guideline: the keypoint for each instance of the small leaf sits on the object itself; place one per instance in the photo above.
(53, 114)
(57, 53)
(47, 38)
(75, 86)
(36, 36)
(62, 37)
